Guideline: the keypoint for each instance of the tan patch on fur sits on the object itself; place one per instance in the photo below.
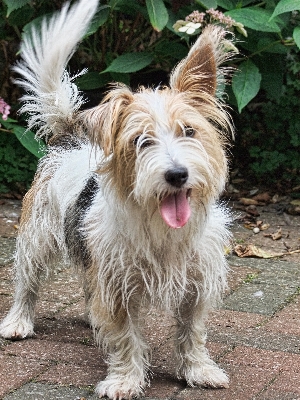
(29, 198)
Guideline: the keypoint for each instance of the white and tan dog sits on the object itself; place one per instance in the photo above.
(117, 181)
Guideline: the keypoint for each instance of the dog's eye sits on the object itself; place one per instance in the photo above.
(143, 143)
(189, 131)
(136, 139)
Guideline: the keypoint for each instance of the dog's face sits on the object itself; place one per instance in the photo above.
(164, 147)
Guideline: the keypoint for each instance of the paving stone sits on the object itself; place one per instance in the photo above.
(163, 386)
(268, 290)
(39, 391)
(277, 361)
(244, 385)
(62, 329)
(237, 276)
(287, 320)
(259, 298)
(284, 387)
(7, 250)
(237, 321)
(79, 375)
(16, 371)
(56, 352)
(263, 264)
(258, 338)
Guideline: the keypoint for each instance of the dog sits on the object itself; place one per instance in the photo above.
(128, 193)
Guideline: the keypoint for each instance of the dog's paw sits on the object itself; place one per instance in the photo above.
(207, 375)
(119, 387)
(16, 329)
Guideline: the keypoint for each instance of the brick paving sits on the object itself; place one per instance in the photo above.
(254, 336)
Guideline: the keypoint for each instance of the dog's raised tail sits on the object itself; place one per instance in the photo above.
(51, 96)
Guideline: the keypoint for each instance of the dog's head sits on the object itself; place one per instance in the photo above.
(165, 148)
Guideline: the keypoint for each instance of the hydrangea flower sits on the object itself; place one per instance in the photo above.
(196, 20)
(189, 27)
(4, 109)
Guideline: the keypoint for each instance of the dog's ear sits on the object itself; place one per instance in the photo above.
(198, 72)
(103, 122)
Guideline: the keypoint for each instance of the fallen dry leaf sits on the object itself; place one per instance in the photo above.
(248, 202)
(252, 210)
(293, 210)
(262, 197)
(250, 250)
(275, 236)
(295, 202)
(264, 227)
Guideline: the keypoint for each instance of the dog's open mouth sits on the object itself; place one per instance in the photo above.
(175, 208)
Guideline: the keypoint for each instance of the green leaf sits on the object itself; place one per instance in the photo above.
(158, 14)
(226, 4)
(255, 18)
(98, 20)
(92, 80)
(286, 6)
(21, 16)
(14, 5)
(119, 77)
(246, 83)
(130, 62)
(207, 3)
(26, 137)
(35, 24)
(296, 36)
(173, 49)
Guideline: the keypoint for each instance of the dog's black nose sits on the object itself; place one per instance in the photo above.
(177, 176)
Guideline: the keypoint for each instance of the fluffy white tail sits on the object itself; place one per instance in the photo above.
(51, 97)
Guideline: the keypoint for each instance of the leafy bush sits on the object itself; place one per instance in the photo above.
(17, 165)
(269, 133)
(139, 42)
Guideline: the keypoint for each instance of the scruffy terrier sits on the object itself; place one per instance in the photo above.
(117, 183)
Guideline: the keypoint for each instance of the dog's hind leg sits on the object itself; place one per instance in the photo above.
(195, 365)
(18, 324)
(35, 252)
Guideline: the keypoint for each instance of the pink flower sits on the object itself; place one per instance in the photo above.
(4, 109)
(196, 17)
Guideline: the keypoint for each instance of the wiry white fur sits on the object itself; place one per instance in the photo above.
(51, 96)
(134, 258)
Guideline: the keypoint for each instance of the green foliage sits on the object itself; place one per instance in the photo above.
(269, 133)
(26, 137)
(158, 14)
(17, 165)
(245, 84)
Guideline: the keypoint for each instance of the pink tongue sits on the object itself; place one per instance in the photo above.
(175, 210)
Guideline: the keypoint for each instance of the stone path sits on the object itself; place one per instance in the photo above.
(255, 336)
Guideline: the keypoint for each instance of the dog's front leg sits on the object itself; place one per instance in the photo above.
(127, 352)
(195, 365)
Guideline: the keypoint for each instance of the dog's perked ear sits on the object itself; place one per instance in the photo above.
(103, 122)
(198, 72)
